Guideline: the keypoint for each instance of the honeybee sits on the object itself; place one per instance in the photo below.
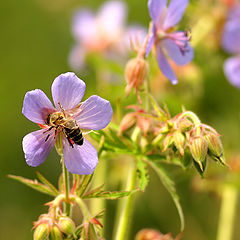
(69, 127)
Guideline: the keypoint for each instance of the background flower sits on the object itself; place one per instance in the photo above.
(173, 44)
(230, 42)
(95, 113)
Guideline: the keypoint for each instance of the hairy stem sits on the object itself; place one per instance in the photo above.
(126, 206)
(66, 188)
(227, 213)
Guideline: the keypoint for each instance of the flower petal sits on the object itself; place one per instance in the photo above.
(112, 17)
(84, 25)
(175, 54)
(95, 113)
(165, 66)
(77, 57)
(232, 70)
(35, 148)
(231, 36)
(68, 90)
(80, 159)
(156, 10)
(175, 12)
(36, 106)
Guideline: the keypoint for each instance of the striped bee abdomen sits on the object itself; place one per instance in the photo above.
(73, 132)
(75, 135)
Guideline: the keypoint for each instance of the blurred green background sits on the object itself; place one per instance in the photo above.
(35, 44)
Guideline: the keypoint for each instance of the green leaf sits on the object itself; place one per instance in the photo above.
(46, 182)
(34, 184)
(170, 186)
(108, 195)
(159, 111)
(142, 174)
(80, 190)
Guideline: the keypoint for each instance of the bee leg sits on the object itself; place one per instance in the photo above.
(49, 129)
(63, 111)
(70, 142)
(47, 137)
(56, 132)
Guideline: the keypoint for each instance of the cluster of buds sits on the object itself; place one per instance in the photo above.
(47, 227)
(186, 134)
(136, 68)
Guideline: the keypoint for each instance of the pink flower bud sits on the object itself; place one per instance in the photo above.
(135, 72)
(179, 141)
(149, 234)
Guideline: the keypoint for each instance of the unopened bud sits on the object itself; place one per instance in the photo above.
(179, 141)
(66, 225)
(55, 233)
(198, 148)
(214, 146)
(168, 140)
(135, 72)
(149, 234)
(185, 125)
(127, 122)
(41, 232)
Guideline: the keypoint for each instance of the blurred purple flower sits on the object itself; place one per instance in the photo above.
(104, 32)
(174, 44)
(94, 113)
(230, 42)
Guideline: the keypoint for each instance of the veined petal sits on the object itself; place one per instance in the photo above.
(232, 70)
(231, 36)
(95, 113)
(156, 10)
(36, 106)
(36, 148)
(165, 66)
(174, 52)
(68, 90)
(77, 57)
(112, 16)
(80, 160)
(175, 12)
(84, 25)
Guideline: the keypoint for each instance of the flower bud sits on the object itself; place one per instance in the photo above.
(179, 141)
(55, 233)
(168, 140)
(215, 148)
(185, 125)
(135, 72)
(198, 148)
(66, 225)
(149, 234)
(41, 232)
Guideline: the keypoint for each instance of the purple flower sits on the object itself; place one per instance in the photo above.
(230, 42)
(104, 32)
(94, 113)
(174, 44)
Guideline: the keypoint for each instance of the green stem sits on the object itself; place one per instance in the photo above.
(227, 213)
(66, 188)
(126, 205)
(83, 207)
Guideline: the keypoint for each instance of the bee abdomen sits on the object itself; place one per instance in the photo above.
(75, 135)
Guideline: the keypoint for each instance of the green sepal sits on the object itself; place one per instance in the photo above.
(35, 185)
(200, 166)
